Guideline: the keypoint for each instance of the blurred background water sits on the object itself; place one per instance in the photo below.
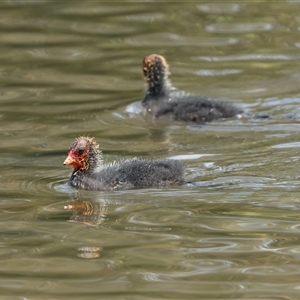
(73, 68)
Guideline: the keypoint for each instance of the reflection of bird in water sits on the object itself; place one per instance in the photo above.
(88, 212)
(90, 173)
(89, 252)
(91, 213)
(164, 101)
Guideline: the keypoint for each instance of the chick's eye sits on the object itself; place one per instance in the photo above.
(80, 151)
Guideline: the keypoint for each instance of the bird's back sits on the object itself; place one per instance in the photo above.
(131, 173)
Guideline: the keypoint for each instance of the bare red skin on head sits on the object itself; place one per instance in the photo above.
(78, 161)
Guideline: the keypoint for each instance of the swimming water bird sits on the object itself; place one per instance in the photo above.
(90, 173)
(164, 101)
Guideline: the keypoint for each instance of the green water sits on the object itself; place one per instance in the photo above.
(74, 68)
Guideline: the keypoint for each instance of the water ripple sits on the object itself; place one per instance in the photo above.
(190, 268)
(170, 39)
(220, 8)
(248, 57)
(273, 271)
(239, 28)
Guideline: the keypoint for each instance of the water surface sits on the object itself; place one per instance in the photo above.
(69, 69)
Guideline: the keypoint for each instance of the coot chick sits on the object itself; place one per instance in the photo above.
(91, 174)
(164, 101)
